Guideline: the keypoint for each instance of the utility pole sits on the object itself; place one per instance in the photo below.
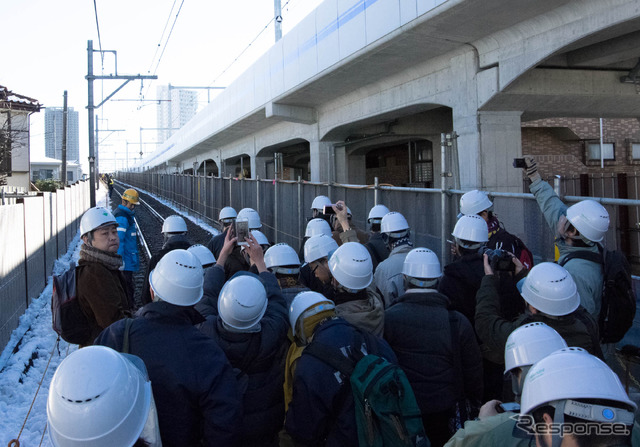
(63, 174)
(90, 107)
(277, 13)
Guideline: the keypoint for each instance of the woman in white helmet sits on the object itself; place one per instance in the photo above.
(86, 404)
(496, 425)
(194, 386)
(250, 325)
(579, 228)
(102, 288)
(174, 231)
(450, 370)
(351, 272)
(551, 297)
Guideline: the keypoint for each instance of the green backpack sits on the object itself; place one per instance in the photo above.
(387, 413)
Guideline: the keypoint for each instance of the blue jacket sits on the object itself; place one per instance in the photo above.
(128, 235)
(312, 419)
(194, 387)
(260, 357)
(587, 275)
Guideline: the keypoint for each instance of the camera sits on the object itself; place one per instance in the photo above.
(519, 163)
(500, 260)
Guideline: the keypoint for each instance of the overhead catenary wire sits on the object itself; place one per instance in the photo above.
(165, 43)
(162, 35)
(247, 47)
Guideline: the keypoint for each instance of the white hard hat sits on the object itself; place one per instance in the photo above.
(471, 228)
(177, 279)
(394, 223)
(260, 238)
(320, 202)
(307, 303)
(242, 302)
(422, 263)
(317, 226)
(252, 216)
(351, 266)
(97, 398)
(573, 373)
(590, 218)
(377, 213)
(227, 213)
(281, 258)
(203, 254)
(474, 202)
(530, 343)
(174, 224)
(95, 218)
(319, 246)
(550, 288)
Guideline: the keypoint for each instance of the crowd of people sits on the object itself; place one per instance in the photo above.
(226, 347)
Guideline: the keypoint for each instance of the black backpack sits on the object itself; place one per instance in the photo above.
(67, 318)
(618, 298)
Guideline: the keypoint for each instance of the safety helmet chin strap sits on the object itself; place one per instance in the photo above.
(587, 412)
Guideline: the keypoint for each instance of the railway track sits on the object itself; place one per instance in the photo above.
(149, 217)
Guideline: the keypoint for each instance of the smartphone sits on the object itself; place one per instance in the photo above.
(242, 231)
(519, 163)
(513, 407)
(328, 210)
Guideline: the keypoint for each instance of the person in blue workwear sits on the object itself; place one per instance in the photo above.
(128, 234)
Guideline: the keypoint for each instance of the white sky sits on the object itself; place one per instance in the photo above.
(46, 54)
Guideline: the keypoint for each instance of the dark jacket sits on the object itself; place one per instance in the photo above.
(260, 356)
(235, 263)
(461, 281)
(578, 328)
(312, 418)
(438, 378)
(377, 248)
(214, 279)
(174, 243)
(216, 243)
(102, 296)
(194, 387)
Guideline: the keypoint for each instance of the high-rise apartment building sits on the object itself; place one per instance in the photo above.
(53, 134)
(175, 108)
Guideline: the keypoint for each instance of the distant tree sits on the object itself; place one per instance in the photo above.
(7, 135)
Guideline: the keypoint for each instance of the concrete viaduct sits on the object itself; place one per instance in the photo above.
(358, 79)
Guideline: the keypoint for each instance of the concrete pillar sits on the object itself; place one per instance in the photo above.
(487, 145)
(253, 164)
(357, 170)
(341, 161)
(320, 160)
(487, 141)
(260, 166)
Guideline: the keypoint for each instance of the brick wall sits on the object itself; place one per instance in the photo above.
(559, 144)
